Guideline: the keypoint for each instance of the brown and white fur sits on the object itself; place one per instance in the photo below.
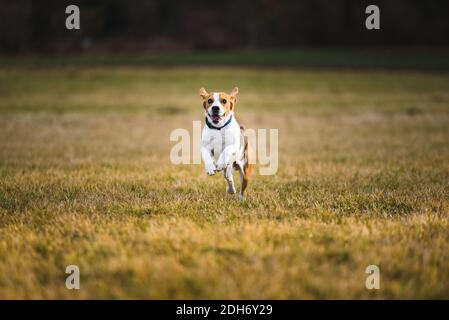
(223, 146)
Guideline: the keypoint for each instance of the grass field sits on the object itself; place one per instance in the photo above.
(86, 180)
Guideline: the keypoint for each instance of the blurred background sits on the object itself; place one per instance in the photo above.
(152, 26)
(86, 177)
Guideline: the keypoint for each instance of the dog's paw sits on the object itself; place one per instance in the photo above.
(231, 190)
(210, 169)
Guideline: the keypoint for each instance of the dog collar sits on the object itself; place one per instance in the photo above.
(218, 128)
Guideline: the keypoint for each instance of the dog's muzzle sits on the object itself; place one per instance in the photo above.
(215, 116)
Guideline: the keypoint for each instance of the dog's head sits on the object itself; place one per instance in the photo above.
(219, 106)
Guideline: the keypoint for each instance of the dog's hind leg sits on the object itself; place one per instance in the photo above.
(227, 173)
(244, 178)
(245, 168)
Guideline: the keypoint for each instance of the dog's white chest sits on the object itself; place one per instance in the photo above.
(217, 140)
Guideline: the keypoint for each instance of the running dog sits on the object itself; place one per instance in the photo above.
(223, 145)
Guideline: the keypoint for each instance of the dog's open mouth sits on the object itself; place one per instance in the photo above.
(216, 118)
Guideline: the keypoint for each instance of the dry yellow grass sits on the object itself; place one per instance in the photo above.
(86, 180)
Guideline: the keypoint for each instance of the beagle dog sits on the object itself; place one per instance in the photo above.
(223, 145)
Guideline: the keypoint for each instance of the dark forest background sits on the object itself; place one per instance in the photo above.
(172, 25)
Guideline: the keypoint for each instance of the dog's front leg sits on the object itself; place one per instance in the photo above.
(227, 157)
(227, 173)
(208, 161)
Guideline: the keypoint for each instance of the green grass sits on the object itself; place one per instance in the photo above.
(85, 179)
(406, 58)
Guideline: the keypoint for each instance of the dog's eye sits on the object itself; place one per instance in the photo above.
(224, 101)
(210, 101)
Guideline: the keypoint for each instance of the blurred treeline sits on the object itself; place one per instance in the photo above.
(171, 25)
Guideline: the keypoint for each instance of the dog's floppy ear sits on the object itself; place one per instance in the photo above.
(203, 93)
(233, 95)
(234, 92)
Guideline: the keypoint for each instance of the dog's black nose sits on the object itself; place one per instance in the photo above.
(215, 109)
